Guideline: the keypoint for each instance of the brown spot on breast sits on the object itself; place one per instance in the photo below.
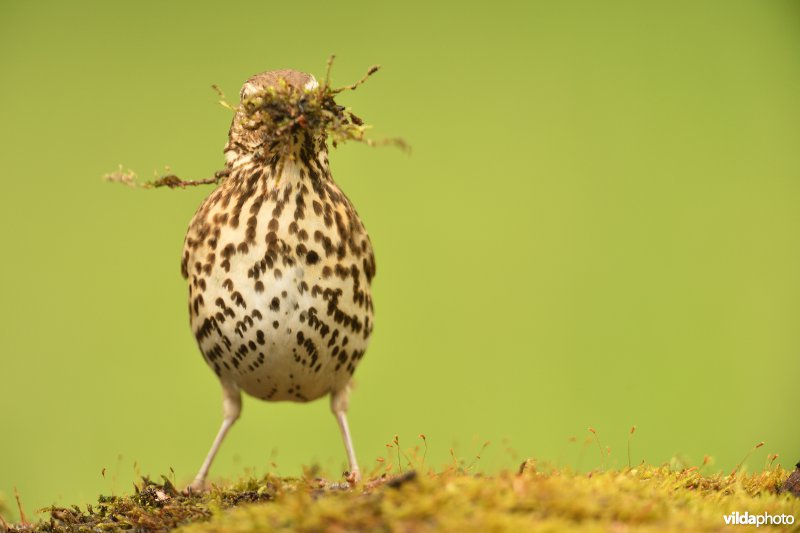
(238, 299)
(184, 265)
(228, 250)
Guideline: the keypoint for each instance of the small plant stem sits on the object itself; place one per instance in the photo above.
(746, 457)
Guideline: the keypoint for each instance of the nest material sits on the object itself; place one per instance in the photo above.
(286, 111)
(283, 113)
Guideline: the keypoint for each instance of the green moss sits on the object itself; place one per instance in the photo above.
(647, 497)
(282, 114)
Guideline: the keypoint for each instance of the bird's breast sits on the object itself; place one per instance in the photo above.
(279, 277)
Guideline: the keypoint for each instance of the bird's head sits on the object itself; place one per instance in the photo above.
(286, 114)
(279, 113)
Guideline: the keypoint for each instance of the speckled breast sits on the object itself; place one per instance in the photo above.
(279, 277)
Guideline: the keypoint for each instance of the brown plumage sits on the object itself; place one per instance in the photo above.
(279, 268)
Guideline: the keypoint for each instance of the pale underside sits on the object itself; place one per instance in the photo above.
(278, 310)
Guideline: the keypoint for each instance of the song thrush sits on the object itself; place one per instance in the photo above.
(279, 268)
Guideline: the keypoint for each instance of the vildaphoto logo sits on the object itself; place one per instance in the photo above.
(766, 519)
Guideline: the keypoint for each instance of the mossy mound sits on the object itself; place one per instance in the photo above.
(646, 498)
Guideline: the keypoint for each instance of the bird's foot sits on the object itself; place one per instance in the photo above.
(198, 486)
(353, 478)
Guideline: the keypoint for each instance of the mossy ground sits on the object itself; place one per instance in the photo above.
(647, 498)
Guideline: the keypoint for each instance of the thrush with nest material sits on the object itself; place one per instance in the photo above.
(279, 264)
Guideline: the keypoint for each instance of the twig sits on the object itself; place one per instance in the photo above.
(352, 87)
(171, 181)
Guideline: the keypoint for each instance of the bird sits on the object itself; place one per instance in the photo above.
(279, 267)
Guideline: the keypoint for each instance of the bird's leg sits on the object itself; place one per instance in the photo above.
(231, 409)
(339, 405)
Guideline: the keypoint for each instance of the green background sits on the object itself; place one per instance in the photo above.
(598, 226)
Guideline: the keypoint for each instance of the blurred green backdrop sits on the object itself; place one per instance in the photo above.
(598, 226)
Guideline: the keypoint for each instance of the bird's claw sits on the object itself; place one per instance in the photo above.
(353, 478)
